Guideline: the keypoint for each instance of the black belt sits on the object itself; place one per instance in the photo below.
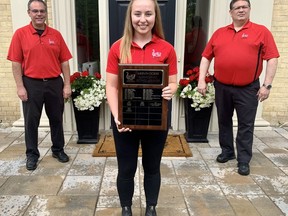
(43, 79)
(255, 81)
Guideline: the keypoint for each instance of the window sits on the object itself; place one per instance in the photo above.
(87, 25)
(197, 18)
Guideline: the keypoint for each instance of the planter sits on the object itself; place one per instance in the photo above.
(196, 122)
(87, 123)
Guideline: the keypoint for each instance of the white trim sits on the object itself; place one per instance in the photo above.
(103, 9)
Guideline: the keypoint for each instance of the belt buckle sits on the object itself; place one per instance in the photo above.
(45, 79)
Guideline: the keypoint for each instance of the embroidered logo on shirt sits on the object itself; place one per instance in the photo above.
(156, 54)
(244, 35)
(51, 42)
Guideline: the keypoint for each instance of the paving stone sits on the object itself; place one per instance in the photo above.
(279, 159)
(14, 205)
(3, 179)
(115, 211)
(85, 164)
(113, 202)
(282, 203)
(242, 206)
(62, 205)
(206, 200)
(170, 195)
(284, 169)
(266, 133)
(50, 166)
(80, 185)
(265, 206)
(275, 142)
(32, 185)
(258, 159)
(273, 185)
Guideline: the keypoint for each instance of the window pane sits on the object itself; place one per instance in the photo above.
(197, 18)
(87, 24)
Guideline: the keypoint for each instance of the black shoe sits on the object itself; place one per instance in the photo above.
(243, 168)
(126, 211)
(150, 211)
(61, 156)
(221, 158)
(31, 163)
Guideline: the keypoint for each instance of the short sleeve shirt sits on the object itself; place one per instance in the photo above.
(157, 51)
(238, 56)
(40, 56)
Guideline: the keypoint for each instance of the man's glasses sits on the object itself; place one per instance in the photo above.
(245, 7)
(35, 11)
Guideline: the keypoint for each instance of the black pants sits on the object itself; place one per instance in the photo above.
(245, 101)
(127, 146)
(41, 92)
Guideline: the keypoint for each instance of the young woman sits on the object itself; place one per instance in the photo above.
(143, 37)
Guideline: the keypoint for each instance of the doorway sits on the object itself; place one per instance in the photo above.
(117, 13)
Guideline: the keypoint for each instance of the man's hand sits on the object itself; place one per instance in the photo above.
(263, 94)
(22, 93)
(67, 91)
(202, 87)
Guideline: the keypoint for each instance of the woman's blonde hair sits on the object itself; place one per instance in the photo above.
(128, 33)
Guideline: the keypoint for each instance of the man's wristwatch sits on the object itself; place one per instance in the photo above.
(269, 86)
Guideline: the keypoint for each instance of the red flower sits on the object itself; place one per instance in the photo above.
(97, 75)
(184, 82)
(209, 78)
(193, 78)
(189, 72)
(74, 76)
(85, 73)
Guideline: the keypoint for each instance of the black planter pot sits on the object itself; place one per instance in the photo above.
(87, 123)
(196, 122)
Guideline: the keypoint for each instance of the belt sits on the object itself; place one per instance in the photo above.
(43, 79)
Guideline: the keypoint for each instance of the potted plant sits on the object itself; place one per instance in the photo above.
(197, 107)
(88, 93)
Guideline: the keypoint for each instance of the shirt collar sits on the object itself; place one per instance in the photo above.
(154, 39)
(246, 26)
(33, 31)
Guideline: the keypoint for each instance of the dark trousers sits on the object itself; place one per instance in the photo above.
(244, 100)
(50, 94)
(127, 146)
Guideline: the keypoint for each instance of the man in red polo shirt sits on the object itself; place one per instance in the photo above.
(39, 55)
(238, 51)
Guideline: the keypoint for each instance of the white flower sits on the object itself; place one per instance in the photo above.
(198, 100)
(89, 91)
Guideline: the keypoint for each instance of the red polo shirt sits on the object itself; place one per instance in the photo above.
(40, 56)
(157, 51)
(239, 55)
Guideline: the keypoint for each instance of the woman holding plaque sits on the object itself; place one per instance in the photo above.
(142, 43)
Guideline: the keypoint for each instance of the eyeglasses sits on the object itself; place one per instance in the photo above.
(35, 11)
(245, 7)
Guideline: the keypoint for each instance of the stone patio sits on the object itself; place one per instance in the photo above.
(194, 186)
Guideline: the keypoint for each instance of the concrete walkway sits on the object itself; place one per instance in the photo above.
(195, 186)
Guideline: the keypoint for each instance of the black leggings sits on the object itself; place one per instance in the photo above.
(127, 146)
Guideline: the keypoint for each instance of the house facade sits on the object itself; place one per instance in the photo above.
(89, 27)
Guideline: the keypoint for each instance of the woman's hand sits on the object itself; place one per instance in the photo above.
(120, 130)
(167, 93)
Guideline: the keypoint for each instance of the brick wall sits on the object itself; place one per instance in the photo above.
(9, 103)
(275, 109)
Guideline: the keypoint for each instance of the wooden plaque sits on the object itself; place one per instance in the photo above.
(140, 104)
